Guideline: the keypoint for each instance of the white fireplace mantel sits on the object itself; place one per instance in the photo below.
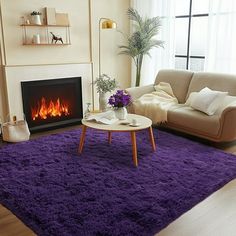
(15, 74)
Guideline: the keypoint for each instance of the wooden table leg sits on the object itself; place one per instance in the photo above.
(82, 137)
(134, 147)
(152, 138)
(109, 137)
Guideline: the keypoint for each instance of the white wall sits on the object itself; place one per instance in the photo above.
(14, 54)
(111, 63)
(116, 66)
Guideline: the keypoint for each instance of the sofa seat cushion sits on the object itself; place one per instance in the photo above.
(185, 116)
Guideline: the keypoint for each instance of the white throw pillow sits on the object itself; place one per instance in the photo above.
(208, 101)
(190, 98)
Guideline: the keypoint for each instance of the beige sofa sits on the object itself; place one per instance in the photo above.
(220, 127)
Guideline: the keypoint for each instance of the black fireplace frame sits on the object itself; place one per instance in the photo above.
(25, 85)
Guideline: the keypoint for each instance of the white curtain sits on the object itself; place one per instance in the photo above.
(162, 57)
(221, 45)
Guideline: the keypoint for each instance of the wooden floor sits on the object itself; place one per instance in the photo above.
(215, 216)
(11, 226)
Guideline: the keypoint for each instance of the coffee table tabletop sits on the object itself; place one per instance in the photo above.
(143, 123)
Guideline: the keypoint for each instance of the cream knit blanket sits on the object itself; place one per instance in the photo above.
(156, 104)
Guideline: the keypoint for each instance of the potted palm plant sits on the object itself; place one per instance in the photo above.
(142, 40)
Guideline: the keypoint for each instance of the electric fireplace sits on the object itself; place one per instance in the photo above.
(54, 103)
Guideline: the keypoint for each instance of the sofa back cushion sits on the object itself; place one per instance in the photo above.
(179, 81)
(214, 81)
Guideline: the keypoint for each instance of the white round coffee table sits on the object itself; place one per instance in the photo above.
(144, 123)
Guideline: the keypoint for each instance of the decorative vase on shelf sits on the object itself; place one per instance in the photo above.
(121, 113)
(36, 19)
(36, 39)
(102, 101)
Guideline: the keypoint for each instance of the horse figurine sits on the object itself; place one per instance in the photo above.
(56, 38)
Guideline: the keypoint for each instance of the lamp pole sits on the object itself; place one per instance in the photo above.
(99, 46)
(107, 24)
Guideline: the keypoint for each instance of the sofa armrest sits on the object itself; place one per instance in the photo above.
(136, 92)
(228, 123)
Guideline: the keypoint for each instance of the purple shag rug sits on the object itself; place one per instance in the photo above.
(56, 192)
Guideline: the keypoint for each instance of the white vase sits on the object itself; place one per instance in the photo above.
(36, 20)
(103, 101)
(36, 39)
(121, 113)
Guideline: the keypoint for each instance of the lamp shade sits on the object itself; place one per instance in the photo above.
(108, 24)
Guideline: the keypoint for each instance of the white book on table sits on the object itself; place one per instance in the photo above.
(106, 118)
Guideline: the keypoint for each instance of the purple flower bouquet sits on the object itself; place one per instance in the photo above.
(119, 99)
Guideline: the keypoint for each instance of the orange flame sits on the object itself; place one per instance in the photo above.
(45, 110)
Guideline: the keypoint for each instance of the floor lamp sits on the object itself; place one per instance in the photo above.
(104, 23)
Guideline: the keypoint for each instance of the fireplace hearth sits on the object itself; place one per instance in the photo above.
(53, 103)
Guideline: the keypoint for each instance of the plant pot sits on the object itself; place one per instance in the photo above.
(121, 113)
(103, 101)
(36, 20)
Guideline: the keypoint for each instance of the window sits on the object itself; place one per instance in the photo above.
(191, 32)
